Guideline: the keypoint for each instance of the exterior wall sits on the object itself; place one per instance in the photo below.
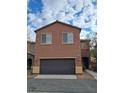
(30, 47)
(57, 49)
(85, 48)
(30, 51)
(29, 56)
(29, 69)
(85, 52)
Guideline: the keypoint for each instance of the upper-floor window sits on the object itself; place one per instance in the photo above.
(46, 38)
(84, 45)
(67, 37)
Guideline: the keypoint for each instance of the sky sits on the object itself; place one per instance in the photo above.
(80, 13)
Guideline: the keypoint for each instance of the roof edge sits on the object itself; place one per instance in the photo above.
(33, 42)
(85, 40)
(57, 22)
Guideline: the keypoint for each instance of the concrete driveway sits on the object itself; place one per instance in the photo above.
(85, 76)
(61, 86)
(56, 77)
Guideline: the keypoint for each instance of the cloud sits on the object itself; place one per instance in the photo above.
(54, 5)
(31, 16)
(81, 13)
(30, 33)
(76, 4)
(84, 34)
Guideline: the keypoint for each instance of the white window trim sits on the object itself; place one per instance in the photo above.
(67, 42)
(45, 43)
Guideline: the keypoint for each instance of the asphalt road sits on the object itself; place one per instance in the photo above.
(61, 86)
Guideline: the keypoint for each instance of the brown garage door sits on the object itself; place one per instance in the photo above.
(57, 66)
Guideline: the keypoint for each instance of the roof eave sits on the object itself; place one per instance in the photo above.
(58, 22)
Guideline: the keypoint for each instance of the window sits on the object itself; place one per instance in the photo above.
(84, 45)
(67, 38)
(46, 38)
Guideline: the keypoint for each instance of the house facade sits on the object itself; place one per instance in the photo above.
(30, 54)
(85, 53)
(58, 50)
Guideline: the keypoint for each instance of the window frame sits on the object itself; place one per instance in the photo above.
(46, 39)
(67, 38)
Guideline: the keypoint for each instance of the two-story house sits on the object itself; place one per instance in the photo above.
(85, 52)
(57, 49)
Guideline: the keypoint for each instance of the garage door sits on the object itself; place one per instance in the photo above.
(57, 66)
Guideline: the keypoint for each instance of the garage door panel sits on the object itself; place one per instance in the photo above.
(57, 66)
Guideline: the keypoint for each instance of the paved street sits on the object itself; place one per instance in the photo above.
(61, 86)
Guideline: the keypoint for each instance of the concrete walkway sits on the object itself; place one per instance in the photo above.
(94, 74)
(56, 77)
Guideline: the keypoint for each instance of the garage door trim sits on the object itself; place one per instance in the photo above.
(57, 66)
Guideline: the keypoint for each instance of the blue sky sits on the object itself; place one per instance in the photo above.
(80, 13)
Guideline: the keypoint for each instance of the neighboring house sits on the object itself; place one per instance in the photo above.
(30, 54)
(57, 49)
(95, 51)
(93, 59)
(85, 52)
(93, 64)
